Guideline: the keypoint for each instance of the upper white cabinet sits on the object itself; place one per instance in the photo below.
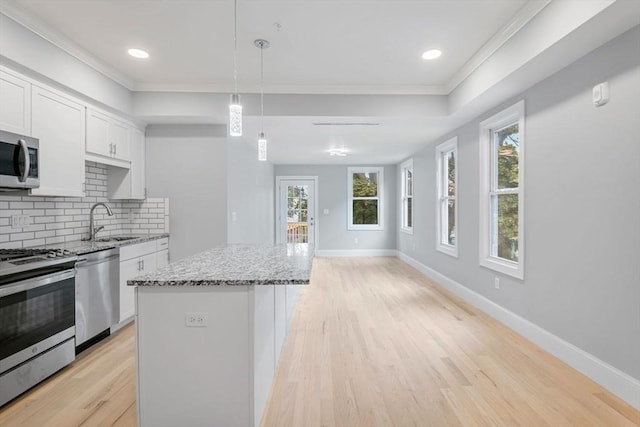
(15, 104)
(130, 183)
(108, 139)
(59, 123)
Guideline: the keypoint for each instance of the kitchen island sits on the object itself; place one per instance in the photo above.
(209, 331)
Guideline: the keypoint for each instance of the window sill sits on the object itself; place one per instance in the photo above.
(452, 251)
(509, 268)
(407, 230)
(352, 227)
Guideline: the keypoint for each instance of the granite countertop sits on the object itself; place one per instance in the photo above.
(236, 265)
(81, 247)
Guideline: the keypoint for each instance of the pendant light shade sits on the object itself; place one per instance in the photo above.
(262, 147)
(235, 108)
(235, 116)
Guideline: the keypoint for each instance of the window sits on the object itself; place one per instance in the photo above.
(502, 191)
(447, 208)
(365, 198)
(407, 196)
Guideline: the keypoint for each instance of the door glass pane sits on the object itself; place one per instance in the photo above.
(506, 156)
(506, 227)
(292, 215)
(410, 212)
(365, 212)
(304, 204)
(365, 185)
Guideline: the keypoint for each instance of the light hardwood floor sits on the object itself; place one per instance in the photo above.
(372, 343)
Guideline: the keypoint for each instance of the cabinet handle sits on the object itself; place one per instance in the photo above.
(115, 149)
(27, 160)
(142, 265)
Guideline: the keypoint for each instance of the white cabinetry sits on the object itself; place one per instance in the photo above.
(162, 254)
(59, 123)
(136, 260)
(108, 139)
(15, 104)
(130, 183)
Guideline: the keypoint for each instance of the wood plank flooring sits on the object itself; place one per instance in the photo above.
(372, 343)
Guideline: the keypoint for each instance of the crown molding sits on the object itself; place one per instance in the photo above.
(515, 24)
(298, 89)
(61, 41)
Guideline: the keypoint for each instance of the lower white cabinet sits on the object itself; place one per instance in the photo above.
(136, 260)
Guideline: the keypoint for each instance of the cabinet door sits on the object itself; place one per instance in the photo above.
(162, 258)
(119, 134)
(59, 123)
(98, 141)
(15, 107)
(130, 269)
(138, 181)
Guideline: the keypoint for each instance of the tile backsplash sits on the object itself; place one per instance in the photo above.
(27, 221)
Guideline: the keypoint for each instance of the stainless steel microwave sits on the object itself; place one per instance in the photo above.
(19, 161)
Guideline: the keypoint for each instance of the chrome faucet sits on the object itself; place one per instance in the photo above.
(92, 229)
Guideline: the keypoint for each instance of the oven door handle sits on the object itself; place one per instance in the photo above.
(35, 282)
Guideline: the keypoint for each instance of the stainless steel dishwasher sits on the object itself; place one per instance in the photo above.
(97, 296)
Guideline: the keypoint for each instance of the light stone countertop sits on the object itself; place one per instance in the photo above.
(81, 247)
(236, 265)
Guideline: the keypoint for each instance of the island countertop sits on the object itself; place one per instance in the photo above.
(236, 265)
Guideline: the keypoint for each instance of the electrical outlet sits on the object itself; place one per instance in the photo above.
(496, 283)
(19, 221)
(355, 240)
(194, 319)
(234, 216)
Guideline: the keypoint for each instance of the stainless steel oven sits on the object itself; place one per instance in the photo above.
(37, 318)
(19, 161)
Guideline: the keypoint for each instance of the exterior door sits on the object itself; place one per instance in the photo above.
(297, 211)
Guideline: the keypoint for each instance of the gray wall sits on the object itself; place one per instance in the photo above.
(250, 195)
(582, 275)
(332, 195)
(187, 164)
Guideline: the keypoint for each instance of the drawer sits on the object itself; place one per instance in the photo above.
(136, 250)
(162, 244)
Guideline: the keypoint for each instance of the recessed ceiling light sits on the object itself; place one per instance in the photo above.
(432, 54)
(340, 152)
(138, 53)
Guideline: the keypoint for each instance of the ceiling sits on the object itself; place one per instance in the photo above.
(348, 49)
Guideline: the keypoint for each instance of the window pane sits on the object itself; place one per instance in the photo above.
(303, 216)
(303, 204)
(410, 212)
(365, 185)
(293, 203)
(365, 212)
(506, 151)
(409, 182)
(451, 226)
(451, 173)
(304, 191)
(505, 226)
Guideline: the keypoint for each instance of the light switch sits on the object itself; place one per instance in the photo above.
(325, 211)
(234, 216)
(601, 94)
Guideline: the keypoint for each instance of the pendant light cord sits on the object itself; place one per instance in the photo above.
(262, 88)
(235, 45)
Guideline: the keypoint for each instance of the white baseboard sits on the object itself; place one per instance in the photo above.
(617, 382)
(356, 252)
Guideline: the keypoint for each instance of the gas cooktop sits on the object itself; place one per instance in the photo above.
(14, 261)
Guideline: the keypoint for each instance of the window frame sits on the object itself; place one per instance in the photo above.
(442, 196)
(380, 198)
(511, 115)
(404, 197)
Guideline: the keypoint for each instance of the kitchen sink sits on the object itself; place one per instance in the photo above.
(117, 239)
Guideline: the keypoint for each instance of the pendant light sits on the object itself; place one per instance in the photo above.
(235, 108)
(262, 140)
